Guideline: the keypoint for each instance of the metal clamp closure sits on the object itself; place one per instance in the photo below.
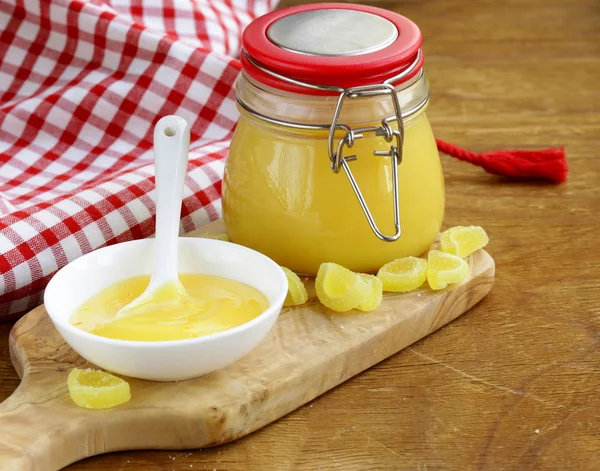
(392, 136)
(337, 159)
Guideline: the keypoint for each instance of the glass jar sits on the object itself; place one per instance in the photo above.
(333, 159)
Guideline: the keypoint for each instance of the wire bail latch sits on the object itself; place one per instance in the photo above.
(337, 160)
(392, 136)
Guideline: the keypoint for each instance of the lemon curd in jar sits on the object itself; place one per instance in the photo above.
(280, 195)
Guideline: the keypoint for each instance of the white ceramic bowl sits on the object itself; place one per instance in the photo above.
(176, 359)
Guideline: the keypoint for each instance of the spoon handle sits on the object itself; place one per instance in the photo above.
(171, 146)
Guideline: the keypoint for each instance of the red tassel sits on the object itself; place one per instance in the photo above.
(547, 164)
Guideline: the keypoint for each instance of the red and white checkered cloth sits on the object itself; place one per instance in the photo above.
(82, 84)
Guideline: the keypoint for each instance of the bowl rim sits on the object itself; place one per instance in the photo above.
(62, 322)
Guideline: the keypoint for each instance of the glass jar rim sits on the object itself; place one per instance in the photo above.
(302, 111)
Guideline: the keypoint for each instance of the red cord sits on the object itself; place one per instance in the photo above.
(547, 164)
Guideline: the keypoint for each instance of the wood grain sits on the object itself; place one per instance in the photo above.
(309, 351)
(504, 74)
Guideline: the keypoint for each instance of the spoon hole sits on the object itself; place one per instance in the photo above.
(170, 132)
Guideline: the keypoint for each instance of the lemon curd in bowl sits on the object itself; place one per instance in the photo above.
(215, 304)
(168, 360)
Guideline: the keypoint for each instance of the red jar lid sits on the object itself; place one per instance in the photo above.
(331, 44)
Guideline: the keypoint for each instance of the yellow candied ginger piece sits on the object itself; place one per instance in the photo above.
(374, 299)
(340, 289)
(95, 389)
(219, 236)
(444, 269)
(463, 240)
(403, 274)
(296, 290)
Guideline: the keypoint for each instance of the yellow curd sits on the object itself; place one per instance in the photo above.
(216, 304)
(280, 196)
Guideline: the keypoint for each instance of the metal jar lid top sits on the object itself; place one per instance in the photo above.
(333, 45)
(332, 32)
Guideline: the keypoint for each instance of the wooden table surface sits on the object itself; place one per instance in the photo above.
(513, 384)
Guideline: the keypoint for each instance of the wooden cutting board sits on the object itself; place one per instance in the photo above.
(309, 351)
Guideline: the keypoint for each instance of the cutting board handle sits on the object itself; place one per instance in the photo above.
(36, 432)
(23, 428)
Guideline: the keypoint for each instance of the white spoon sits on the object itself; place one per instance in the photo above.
(171, 146)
